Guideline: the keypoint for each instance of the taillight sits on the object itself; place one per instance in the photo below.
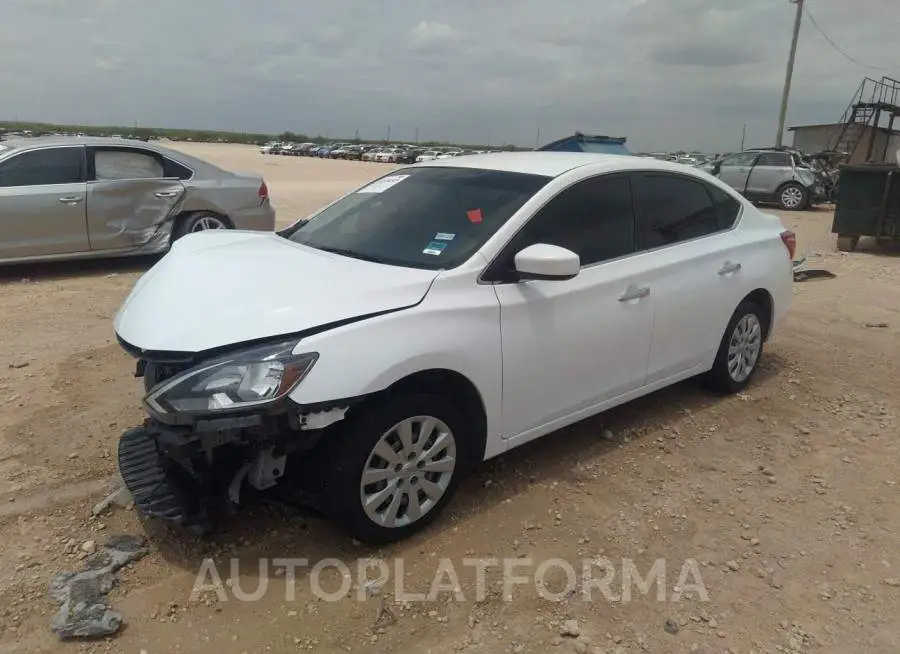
(790, 242)
(263, 191)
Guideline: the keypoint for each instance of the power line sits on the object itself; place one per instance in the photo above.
(835, 45)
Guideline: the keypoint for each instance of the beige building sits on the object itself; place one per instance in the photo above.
(858, 137)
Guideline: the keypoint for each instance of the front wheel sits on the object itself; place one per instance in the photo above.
(392, 470)
(739, 351)
(793, 197)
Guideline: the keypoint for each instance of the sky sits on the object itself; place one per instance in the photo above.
(667, 74)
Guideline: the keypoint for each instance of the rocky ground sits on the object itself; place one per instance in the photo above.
(786, 496)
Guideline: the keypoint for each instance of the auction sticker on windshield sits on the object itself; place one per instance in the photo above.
(435, 248)
(383, 184)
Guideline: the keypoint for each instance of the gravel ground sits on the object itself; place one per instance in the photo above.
(786, 495)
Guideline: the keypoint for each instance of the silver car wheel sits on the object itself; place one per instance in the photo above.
(792, 197)
(208, 222)
(744, 347)
(408, 471)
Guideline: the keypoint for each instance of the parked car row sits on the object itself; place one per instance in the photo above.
(403, 154)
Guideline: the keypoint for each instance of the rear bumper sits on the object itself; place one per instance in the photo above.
(257, 219)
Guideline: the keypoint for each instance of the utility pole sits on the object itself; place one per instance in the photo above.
(789, 73)
(537, 138)
(743, 136)
(389, 134)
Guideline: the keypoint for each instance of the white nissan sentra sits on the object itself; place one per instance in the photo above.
(371, 355)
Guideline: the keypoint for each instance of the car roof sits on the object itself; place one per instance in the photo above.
(553, 164)
(199, 165)
(44, 141)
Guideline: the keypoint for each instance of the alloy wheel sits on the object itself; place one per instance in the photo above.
(208, 222)
(744, 347)
(792, 197)
(408, 471)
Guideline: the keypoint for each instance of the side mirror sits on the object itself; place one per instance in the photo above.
(548, 262)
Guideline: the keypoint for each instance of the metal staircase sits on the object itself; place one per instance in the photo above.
(875, 105)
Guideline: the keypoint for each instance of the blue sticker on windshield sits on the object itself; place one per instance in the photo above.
(435, 248)
(444, 236)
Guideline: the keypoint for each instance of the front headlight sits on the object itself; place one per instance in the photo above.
(248, 378)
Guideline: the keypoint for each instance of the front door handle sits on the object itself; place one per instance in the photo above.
(72, 199)
(728, 268)
(166, 194)
(635, 293)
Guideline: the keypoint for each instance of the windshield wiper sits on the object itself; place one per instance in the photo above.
(350, 253)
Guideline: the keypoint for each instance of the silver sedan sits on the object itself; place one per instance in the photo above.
(66, 198)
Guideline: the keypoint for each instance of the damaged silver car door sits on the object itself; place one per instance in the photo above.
(42, 195)
(129, 197)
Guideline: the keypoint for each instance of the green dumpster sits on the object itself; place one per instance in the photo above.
(867, 204)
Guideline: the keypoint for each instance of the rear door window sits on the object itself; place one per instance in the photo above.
(780, 159)
(112, 164)
(673, 208)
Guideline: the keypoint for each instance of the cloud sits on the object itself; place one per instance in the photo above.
(665, 73)
(426, 34)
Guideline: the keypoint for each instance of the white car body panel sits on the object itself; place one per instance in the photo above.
(571, 345)
(542, 354)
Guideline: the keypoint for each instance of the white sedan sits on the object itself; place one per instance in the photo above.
(440, 315)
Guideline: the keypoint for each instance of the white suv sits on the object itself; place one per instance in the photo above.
(441, 315)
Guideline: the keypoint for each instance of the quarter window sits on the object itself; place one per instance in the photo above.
(44, 166)
(674, 209)
(593, 218)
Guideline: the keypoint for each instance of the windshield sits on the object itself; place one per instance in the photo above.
(433, 218)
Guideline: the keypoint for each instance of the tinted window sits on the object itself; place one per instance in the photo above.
(175, 169)
(774, 159)
(674, 209)
(727, 206)
(742, 159)
(46, 166)
(430, 218)
(126, 164)
(593, 218)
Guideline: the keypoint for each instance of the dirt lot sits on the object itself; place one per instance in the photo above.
(787, 495)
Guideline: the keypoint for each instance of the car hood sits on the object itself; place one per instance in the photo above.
(221, 288)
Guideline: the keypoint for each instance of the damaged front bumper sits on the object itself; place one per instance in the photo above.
(180, 473)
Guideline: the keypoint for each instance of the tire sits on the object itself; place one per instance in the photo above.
(793, 197)
(746, 326)
(357, 448)
(198, 221)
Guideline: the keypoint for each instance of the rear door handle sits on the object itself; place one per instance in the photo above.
(166, 194)
(635, 293)
(728, 268)
(73, 199)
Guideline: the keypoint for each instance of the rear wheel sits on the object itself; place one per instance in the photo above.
(199, 221)
(793, 197)
(739, 351)
(391, 470)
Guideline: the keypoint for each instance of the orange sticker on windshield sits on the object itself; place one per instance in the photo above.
(474, 215)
